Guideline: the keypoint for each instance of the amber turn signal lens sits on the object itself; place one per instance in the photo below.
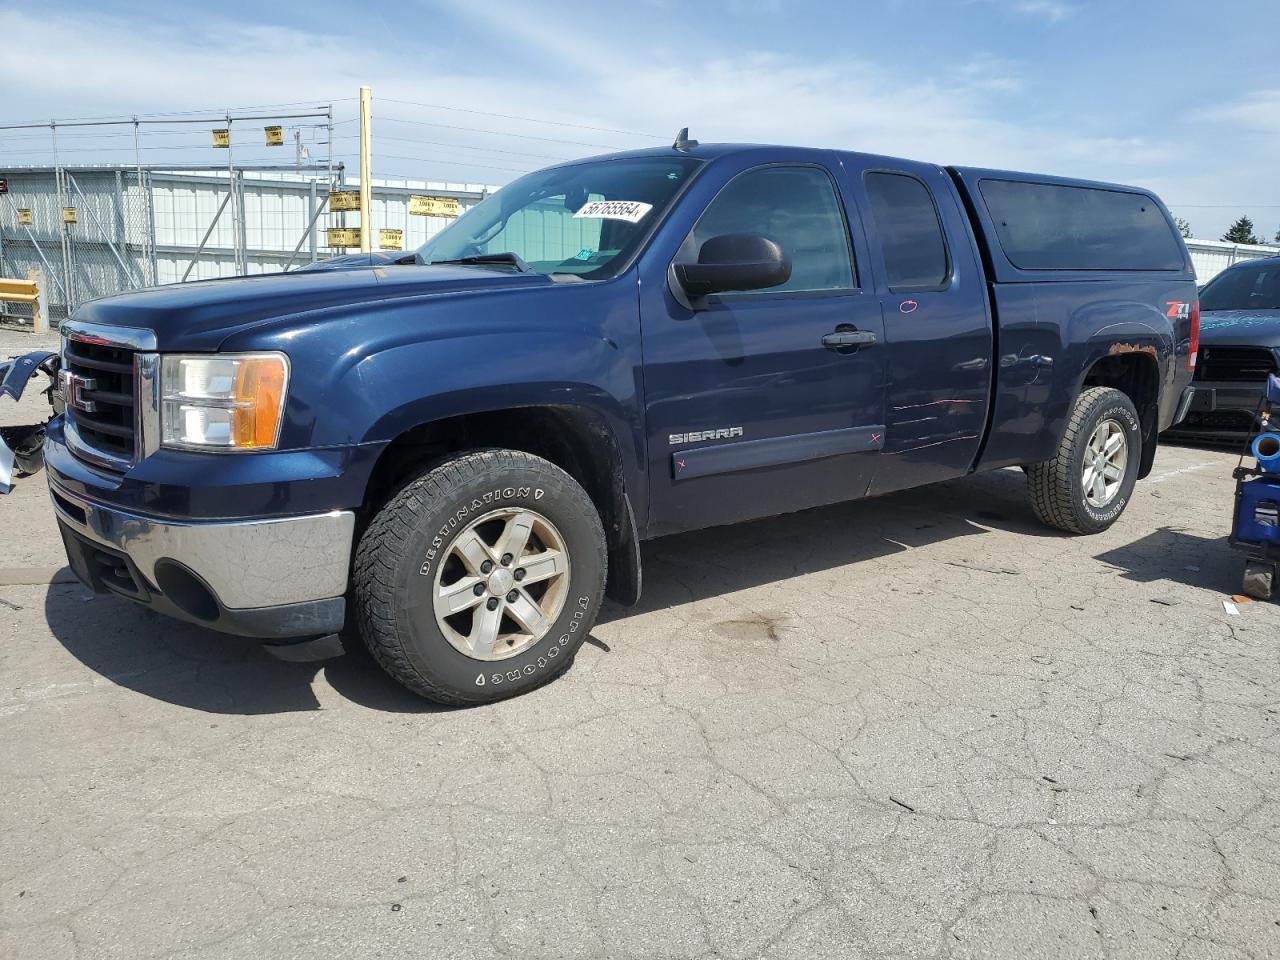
(259, 389)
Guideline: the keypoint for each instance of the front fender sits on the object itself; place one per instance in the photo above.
(17, 372)
(364, 376)
(386, 394)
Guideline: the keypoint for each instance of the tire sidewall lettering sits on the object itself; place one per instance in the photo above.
(1133, 431)
(477, 503)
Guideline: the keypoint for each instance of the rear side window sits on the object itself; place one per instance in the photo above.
(915, 252)
(1045, 226)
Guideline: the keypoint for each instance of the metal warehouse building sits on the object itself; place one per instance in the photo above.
(108, 229)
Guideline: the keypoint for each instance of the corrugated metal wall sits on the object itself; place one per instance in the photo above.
(545, 232)
(1211, 257)
(130, 233)
(277, 210)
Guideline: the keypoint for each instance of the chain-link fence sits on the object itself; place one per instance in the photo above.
(85, 232)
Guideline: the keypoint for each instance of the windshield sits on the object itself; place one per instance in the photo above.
(576, 222)
(1244, 288)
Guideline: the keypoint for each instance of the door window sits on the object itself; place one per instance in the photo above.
(797, 208)
(915, 252)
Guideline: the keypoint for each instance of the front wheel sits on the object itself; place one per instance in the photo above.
(482, 578)
(1089, 482)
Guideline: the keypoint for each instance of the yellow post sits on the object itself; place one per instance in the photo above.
(366, 171)
(38, 316)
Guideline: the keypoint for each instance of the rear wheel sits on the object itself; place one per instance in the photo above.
(1089, 482)
(482, 578)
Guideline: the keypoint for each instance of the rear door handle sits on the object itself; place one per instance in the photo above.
(846, 339)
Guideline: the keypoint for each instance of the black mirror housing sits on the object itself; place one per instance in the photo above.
(734, 262)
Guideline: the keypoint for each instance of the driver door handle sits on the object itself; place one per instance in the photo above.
(845, 339)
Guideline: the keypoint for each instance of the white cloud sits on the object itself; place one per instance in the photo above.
(1258, 110)
(958, 115)
(979, 111)
(1051, 10)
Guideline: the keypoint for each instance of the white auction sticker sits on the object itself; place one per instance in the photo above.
(632, 211)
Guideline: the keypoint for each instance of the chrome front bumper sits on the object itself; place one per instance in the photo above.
(266, 577)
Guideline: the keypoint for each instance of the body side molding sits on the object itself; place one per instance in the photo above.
(774, 451)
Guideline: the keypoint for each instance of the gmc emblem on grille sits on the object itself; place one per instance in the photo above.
(72, 386)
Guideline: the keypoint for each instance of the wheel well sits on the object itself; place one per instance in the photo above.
(576, 441)
(1137, 375)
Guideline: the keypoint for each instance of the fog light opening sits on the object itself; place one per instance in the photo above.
(187, 591)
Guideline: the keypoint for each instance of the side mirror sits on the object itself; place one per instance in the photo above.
(734, 261)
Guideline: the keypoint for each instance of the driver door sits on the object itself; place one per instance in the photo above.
(753, 407)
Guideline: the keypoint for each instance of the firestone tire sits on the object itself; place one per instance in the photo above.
(1102, 417)
(437, 521)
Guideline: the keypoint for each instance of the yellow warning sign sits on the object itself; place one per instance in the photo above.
(24, 215)
(390, 239)
(434, 206)
(340, 200)
(222, 138)
(68, 214)
(343, 237)
(275, 136)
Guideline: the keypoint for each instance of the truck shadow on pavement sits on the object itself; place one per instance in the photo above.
(1173, 555)
(196, 668)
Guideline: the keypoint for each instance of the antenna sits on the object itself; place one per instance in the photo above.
(683, 143)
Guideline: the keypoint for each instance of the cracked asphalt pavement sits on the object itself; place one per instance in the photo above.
(916, 726)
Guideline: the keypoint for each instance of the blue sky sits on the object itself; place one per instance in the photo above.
(1167, 95)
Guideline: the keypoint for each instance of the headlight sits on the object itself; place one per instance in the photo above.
(225, 401)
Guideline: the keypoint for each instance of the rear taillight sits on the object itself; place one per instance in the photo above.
(1194, 348)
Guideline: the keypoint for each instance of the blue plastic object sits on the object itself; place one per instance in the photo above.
(1266, 447)
(1273, 389)
(1258, 511)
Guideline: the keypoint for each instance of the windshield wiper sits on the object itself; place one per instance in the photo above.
(483, 259)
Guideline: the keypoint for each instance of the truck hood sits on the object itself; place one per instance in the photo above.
(199, 316)
(1240, 328)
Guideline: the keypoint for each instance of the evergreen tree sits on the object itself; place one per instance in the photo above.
(1184, 228)
(1241, 232)
(1276, 238)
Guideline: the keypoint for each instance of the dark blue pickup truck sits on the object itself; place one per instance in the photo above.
(455, 454)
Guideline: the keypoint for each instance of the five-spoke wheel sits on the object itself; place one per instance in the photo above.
(1104, 463)
(502, 585)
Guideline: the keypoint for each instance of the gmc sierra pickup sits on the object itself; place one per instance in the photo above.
(453, 455)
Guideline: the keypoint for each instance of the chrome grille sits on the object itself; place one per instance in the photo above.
(101, 404)
(109, 386)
